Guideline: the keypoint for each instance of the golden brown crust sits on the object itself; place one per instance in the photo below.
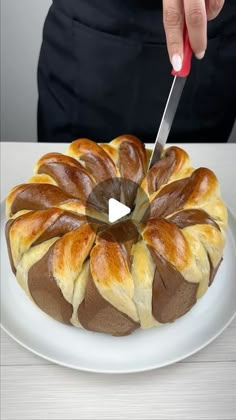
(37, 197)
(168, 241)
(51, 280)
(132, 164)
(191, 217)
(45, 291)
(68, 174)
(24, 231)
(110, 269)
(143, 271)
(172, 295)
(131, 159)
(173, 161)
(96, 161)
(97, 314)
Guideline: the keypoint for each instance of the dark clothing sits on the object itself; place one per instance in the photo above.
(104, 71)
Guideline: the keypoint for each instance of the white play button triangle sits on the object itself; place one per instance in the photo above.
(116, 210)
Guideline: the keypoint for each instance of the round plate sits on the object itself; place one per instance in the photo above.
(141, 351)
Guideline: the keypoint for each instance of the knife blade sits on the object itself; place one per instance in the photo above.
(172, 102)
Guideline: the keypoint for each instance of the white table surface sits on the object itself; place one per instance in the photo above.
(200, 387)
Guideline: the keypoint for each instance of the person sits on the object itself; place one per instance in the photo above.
(105, 69)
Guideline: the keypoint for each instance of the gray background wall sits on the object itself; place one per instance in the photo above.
(21, 34)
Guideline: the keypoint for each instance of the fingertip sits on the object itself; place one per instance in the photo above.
(200, 55)
(198, 44)
(196, 21)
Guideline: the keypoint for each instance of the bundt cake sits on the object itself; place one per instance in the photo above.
(147, 269)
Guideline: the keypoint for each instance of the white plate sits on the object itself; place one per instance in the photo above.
(141, 351)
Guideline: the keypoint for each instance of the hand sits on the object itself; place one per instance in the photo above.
(195, 13)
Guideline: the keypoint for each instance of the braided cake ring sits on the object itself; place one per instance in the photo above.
(143, 271)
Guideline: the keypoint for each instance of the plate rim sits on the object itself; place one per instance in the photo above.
(123, 371)
(126, 370)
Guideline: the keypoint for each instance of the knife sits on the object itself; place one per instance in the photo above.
(172, 101)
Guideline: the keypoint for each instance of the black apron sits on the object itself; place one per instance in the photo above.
(104, 71)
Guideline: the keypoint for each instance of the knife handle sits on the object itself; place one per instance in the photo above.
(186, 66)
